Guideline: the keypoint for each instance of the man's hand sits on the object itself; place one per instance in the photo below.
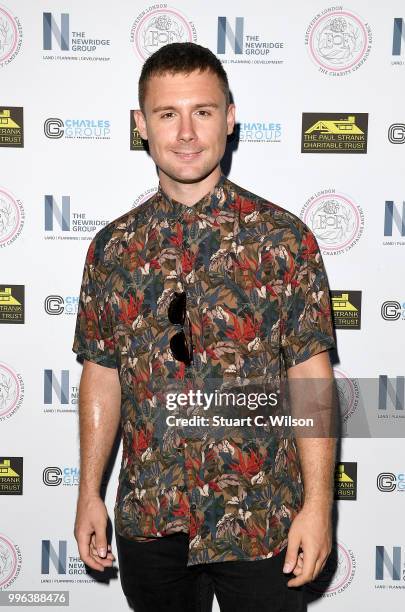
(90, 533)
(311, 530)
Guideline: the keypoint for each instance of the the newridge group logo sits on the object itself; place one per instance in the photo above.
(338, 41)
(62, 42)
(11, 126)
(334, 132)
(394, 223)
(389, 567)
(82, 129)
(61, 223)
(59, 395)
(236, 44)
(10, 36)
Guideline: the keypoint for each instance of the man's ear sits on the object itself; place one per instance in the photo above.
(141, 124)
(230, 118)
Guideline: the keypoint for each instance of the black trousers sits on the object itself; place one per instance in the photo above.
(155, 578)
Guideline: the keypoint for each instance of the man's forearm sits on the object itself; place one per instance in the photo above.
(317, 457)
(99, 417)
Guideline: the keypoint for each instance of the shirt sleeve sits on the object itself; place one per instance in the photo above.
(94, 335)
(307, 323)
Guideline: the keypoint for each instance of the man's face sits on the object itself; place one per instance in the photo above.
(186, 122)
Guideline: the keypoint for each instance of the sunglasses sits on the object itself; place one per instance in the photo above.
(181, 345)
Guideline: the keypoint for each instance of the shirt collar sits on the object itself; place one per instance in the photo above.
(219, 196)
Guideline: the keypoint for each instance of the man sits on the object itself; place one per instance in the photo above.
(204, 281)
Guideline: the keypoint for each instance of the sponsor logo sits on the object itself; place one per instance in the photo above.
(346, 480)
(159, 25)
(393, 217)
(396, 133)
(11, 391)
(391, 397)
(10, 565)
(338, 41)
(135, 141)
(10, 36)
(348, 395)
(389, 567)
(335, 219)
(12, 217)
(346, 309)
(334, 133)
(259, 131)
(81, 129)
(337, 574)
(241, 47)
(143, 197)
(69, 223)
(59, 395)
(11, 475)
(57, 305)
(11, 126)
(53, 476)
(59, 37)
(12, 303)
(398, 36)
(391, 310)
(387, 482)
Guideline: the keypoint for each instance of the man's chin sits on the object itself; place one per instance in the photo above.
(189, 175)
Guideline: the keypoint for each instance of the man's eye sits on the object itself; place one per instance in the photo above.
(204, 113)
(167, 115)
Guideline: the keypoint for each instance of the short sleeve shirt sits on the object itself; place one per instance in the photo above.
(258, 303)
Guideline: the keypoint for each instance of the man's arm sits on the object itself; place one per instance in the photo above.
(99, 417)
(312, 527)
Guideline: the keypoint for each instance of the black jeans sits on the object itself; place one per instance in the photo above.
(155, 578)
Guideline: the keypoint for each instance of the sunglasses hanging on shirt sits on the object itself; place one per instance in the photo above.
(181, 344)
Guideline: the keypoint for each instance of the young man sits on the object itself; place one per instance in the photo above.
(204, 281)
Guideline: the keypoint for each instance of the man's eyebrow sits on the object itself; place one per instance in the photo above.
(159, 109)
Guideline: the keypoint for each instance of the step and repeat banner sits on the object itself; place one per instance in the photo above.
(319, 90)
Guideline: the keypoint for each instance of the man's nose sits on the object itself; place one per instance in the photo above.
(186, 129)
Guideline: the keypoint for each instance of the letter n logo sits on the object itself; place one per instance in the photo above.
(235, 37)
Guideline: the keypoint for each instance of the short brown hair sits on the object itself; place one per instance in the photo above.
(178, 58)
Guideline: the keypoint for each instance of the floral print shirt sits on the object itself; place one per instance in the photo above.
(258, 303)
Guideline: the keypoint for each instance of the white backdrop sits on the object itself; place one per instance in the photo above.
(88, 93)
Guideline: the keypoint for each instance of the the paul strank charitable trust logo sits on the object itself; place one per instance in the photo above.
(10, 36)
(12, 304)
(64, 42)
(78, 128)
(346, 308)
(334, 133)
(338, 41)
(346, 481)
(56, 304)
(60, 396)
(159, 25)
(11, 475)
(135, 141)
(11, 391)
(62, 223)
(335, 219)
(11, 126)
(12, 216)
(259, 131)
(67, 476)
(238, 45)
(10, 562)
(338, 573)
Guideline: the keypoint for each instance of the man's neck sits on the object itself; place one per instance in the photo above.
(189, 193)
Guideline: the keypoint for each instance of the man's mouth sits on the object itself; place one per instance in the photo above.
(187, 154)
